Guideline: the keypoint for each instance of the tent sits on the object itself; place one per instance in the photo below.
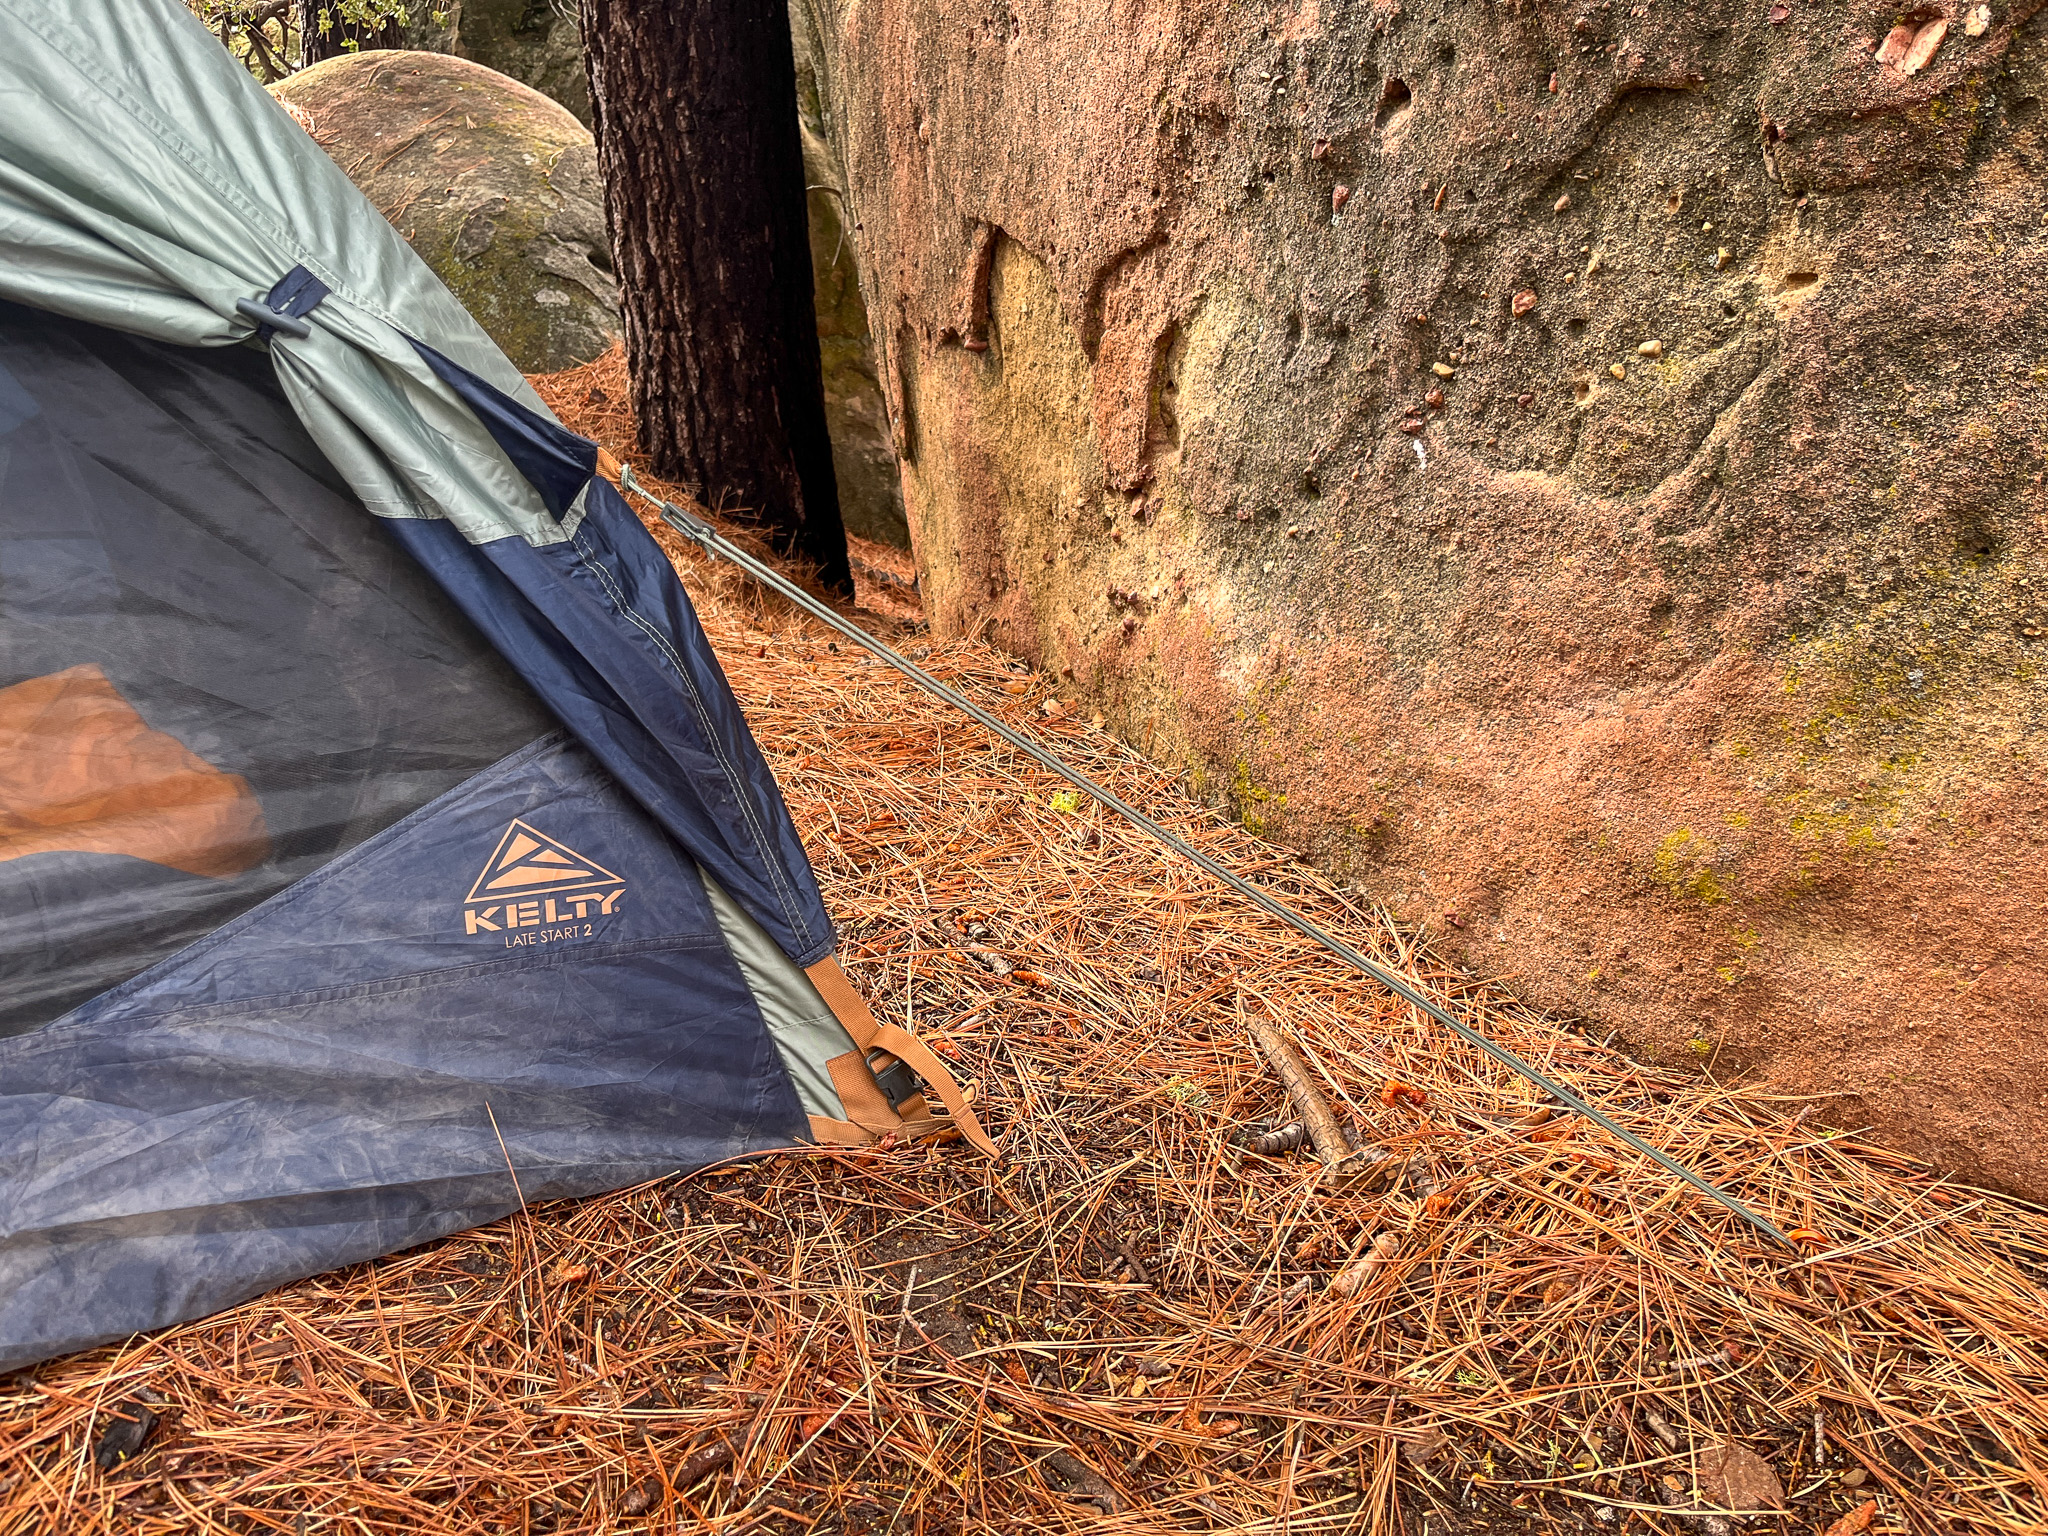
(381, 845)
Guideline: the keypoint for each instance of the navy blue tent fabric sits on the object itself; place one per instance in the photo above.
(165, 518)
(308, 1085)
(230, 1058)
(601, 628)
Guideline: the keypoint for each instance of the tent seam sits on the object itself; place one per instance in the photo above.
(706, 725)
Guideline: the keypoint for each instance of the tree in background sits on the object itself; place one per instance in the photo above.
(276, 37)
(328, 28)
(263, 34)
(694, 105)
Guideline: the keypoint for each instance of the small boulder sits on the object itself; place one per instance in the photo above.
(493, 184)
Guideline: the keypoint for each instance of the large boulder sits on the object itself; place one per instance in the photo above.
(493, 183)
(1576, 465)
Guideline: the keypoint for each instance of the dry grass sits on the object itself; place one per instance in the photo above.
(1127, 1325)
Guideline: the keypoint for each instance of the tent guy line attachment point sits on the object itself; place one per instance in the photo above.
(712, 542)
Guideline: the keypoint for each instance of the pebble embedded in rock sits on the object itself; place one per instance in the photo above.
(1651, 349)
(1977, 22)
(1925, 43)
(1443, 370)
(1435, 399)
(1594, 265)
(1561, 204)
(1617, 370)
(1523, 302)
(1722, 257)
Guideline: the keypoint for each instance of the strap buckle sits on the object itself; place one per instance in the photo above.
(897, 1081)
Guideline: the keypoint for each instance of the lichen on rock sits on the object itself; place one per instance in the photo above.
(493, 184)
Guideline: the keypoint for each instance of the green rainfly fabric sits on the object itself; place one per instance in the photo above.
(147, 183)
(803, 1025)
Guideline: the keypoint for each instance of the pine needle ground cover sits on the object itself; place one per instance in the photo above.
(1136, 1322)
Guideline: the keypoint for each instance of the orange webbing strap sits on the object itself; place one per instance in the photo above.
(840, 1133)
(852, 1012)
(847, 1005)
(916, 1055)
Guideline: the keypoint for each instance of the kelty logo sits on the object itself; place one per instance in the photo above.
(533, 882)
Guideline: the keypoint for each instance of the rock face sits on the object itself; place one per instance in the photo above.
(536, 42)
(863, 454)
(1577, 466)
(493, 183)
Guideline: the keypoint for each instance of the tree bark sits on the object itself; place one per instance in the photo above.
(695, 109)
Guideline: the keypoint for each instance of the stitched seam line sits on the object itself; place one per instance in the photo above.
(733, 778)
(705, 723)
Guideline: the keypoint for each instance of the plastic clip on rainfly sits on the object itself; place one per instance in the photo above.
(283, 310)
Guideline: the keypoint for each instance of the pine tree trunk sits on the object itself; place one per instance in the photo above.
(695, 108)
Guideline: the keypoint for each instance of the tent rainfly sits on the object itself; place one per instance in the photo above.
(373, 812)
